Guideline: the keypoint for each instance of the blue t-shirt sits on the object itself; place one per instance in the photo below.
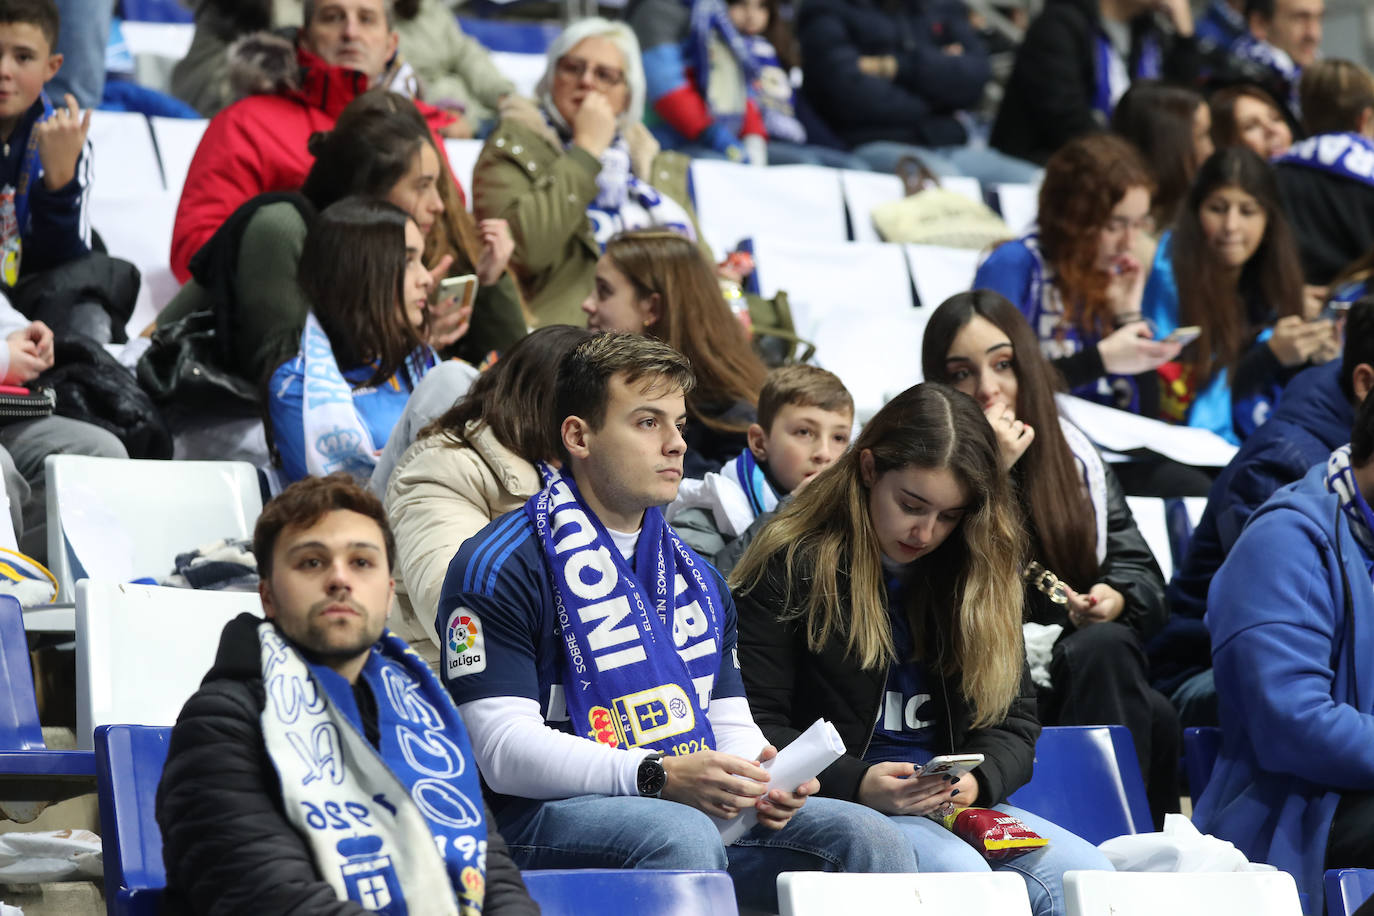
(379, 406)
(904, 732)
(498, 628)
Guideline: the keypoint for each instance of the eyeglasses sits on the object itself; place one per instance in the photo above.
(604, 78)
(1119, 224)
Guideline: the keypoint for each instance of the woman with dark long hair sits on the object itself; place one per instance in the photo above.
(1231, 268)
(1172, 128)
(363, 349)
(1100, 583)
(1246, 115)
(472, 464)
(886, 597)
(657, 283)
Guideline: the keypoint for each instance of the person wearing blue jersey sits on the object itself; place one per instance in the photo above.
(592, 656)
(333, 405)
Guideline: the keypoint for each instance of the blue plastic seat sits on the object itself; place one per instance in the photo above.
(157, 11)
(515, 37)
(615, 891)
(129, 766)
(1087, 780)
(1347, 889)
(1200, 748)
(47, 775)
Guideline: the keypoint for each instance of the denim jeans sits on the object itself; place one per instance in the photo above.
(597, 831)
(982, 162)
(939, 850)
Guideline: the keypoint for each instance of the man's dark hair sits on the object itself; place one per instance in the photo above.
(40, 13)
(1262, 8)
(585, 373)
(307, 501)
(1359, 342)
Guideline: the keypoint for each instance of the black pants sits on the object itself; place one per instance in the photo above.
(1350, 844)
(1100, 677)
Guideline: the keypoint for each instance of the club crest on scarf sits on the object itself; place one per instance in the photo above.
(639, 670)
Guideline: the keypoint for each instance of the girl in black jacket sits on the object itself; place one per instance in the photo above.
(1103, 586)
(886, 597)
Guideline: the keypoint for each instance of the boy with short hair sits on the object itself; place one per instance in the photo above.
(805, 420)
(45, 158)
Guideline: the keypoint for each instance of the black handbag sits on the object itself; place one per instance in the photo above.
(36, 402)
(181, 368)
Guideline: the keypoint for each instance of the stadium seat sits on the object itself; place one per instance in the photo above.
(1255, 893)
(517, 37)
(462, 159)
(156, 11)
(801, 203)
(124, 671)
(129, 761)
(119, 519)
(1151, 517)
(813, 893)
(862, 192)
(176, 139)
(614, 891)
(1200, 749)
(1087, 780)
(30, 773)
(125, 161)
(1347, 889)
(1019, 205)
(524, 70)
(138, 228)
(940, 272)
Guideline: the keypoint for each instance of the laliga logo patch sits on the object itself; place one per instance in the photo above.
(464, 645)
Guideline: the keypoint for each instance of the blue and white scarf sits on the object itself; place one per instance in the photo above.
(1348, 155)
(1112, 82)
(1272, 58)
(399, 828)
(773, 93)
(744, 472)
(708, 19)
(336, 436)
(625, 202)
(638, 674)
(1340, 479)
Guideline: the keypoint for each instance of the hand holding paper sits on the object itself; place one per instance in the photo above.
(798, 763)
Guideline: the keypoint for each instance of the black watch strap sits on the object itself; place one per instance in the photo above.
(651, 776)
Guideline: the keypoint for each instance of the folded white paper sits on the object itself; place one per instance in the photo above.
(1121, 431)
(799, 762)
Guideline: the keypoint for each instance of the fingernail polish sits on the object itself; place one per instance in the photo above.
(954, 793)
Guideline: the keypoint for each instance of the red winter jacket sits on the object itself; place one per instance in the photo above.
(258, 144)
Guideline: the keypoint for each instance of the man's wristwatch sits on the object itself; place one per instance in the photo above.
(651, 777)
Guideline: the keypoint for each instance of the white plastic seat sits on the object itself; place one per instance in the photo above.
(1019, 205)
(862, 192)
(524, 70)
(125, 158)
(1153, 522)
(1255, 893)
(940, 272)
(138, 228)
(177, 139)
(142, 650)
(123, 519)
(813, 893)
(462, 159)
(877, 354)
(801, 202)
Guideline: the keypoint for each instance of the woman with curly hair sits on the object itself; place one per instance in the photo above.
(1078, 277)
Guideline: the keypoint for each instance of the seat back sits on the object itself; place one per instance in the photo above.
(813, 893)
(124, 671)
(19, 728)
(1019, 205)
(138, 228)
(129, 761)
(119, 519)
(1347, 889)
(1200, 749)
(1152, 518)
(1087, 780)
(126, 160)
(177, 140)
(1255, 893)
(862, 192)
(524, 70)
(940, 272)
(614, 891)
(462, 159)
(801, 203)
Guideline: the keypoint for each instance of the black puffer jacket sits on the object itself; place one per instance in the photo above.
(226, 842)
(1332, 216)
(790, 687)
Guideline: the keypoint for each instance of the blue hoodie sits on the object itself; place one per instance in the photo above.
(1295, 679)
(1312, 419)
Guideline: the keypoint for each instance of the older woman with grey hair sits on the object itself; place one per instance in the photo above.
(584, 171)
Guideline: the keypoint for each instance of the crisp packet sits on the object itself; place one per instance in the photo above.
(996, 835)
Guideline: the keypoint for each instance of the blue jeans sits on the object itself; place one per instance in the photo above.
(939, 850)
(982, 162)
(598, 831)
(81, 40)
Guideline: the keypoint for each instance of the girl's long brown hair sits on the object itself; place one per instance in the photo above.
(1047, 477)
(1084, 181)
(1158, 119)
(1208, 297)
(693, 319)
(965, 606)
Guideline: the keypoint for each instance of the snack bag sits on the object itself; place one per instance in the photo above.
(996, 835)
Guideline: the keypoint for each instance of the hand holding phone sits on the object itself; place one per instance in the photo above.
(1184, 335)
(951, 765)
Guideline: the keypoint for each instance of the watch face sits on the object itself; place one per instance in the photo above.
(651, 777)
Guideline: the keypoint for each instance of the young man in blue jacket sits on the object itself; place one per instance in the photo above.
(1291, 615)
(1312, 419)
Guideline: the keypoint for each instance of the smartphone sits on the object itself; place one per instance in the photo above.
(1184, 335)
(1335, 310)
(955, 765)
(463, 288)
